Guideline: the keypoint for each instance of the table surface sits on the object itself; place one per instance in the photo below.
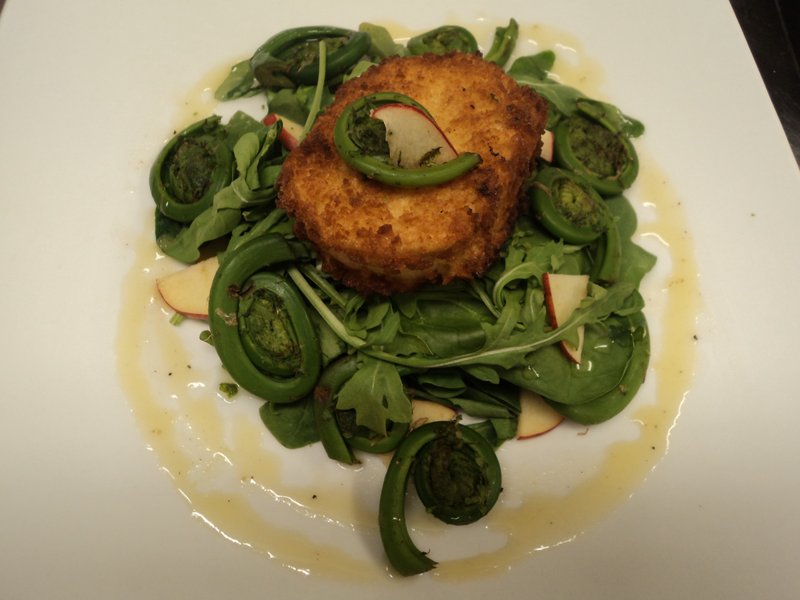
(772, 30)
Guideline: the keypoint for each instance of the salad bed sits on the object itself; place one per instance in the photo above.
(345, 369)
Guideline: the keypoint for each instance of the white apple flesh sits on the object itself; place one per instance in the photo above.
(186, 291)
(412, 137)
(563, 294)
(548, 141)
(425, 411)
(291, 133)
(536, 417)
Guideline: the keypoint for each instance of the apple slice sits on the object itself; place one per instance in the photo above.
(291, 133)
(413, 138)
(563, 294)
(425, 411)
(186, 291)
(548, 142)
(536, 416)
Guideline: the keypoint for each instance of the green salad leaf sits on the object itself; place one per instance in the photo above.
(377, 395)
(471, 346)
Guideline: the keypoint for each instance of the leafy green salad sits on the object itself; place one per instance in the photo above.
(558, 316)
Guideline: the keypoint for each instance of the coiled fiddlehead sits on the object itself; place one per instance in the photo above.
(458, 478)
(605, 158)
(361, 158)
(568, 206)
(261, 330)
(291, 58)
(193, 166)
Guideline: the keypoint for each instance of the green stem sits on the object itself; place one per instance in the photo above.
(403, 555)
(505, 39)
(317, 100)
(323, 284)
(331, 319)
(333, 378)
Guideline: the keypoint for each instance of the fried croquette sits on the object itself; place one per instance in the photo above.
(384, 239)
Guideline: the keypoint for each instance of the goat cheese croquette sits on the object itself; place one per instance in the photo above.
(384, 239)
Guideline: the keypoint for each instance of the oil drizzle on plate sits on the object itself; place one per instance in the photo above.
(311, 515)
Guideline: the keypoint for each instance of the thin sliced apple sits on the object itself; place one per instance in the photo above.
(425, 411)
(563, 294)
(186, 291)
(291, 133)
(414, 140)
(536, 417)
(548, 142)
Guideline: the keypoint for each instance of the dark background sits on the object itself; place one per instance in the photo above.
(772, 29)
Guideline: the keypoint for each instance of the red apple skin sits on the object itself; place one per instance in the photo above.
(186, 291)
(552, 300)
(289, 135)
(536, 416)
(394, 106)
(403, 117)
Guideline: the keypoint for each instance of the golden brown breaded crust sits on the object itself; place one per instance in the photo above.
(379, 238)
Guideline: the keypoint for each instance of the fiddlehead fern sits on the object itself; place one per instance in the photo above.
(193, 166)
(261, 330)
(466, 486)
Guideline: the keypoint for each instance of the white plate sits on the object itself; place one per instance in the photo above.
(91, 89)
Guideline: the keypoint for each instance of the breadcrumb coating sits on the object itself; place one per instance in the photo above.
(383, 239)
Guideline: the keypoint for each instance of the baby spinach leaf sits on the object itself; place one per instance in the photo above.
(536, 66)
(613, 402)
(382, 43)
(296, 104)
(496, 430)
(486, 399)
(441, 383)
(239, 82)
(611, 117)
(506, 346)
(636, 261)
(483, 373)
(608, 346)
(439, 324)
(291, 423)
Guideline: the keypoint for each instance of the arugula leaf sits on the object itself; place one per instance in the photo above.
(377, 395)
